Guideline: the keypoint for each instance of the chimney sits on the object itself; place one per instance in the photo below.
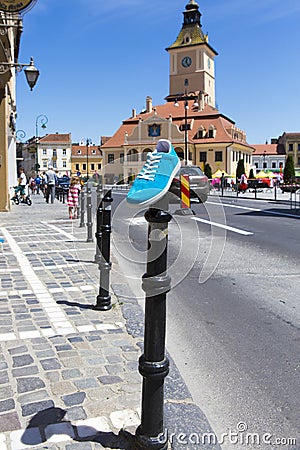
(133, 112)
(148, 104)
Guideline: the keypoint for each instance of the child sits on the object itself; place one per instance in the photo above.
(72, 200)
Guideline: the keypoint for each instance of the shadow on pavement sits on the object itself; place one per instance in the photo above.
(78, 305)
(50, 422)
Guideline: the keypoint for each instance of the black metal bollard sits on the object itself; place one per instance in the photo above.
(99, 218)
(82, 223)
(104, 299)
(153, 364)
(89, 212)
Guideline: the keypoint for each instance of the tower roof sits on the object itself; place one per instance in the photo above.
(191, 32)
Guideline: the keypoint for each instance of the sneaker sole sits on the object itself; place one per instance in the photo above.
(152, 200)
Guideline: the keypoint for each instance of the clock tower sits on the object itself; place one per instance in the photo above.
(192, 65)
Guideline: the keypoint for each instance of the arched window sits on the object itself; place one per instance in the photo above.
(132, 155)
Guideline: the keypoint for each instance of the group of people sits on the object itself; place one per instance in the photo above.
(46, 182)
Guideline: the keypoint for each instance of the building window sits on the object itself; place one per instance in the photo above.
(265, 165)
(54, 165)
(298, 160)
(218, 156)
(44, 151)
(211, 133)
(99, 166)
(78, 152)
(111, 158)
(121, 157)
(45, 163)
(273, 165)
(203, 157)
(256, 165)
(83, 166)
(54, 152)
(298, 147)
(64, 152)
(64, 164)
(93, 152)
(77, 167)
(291, 147)
(92, 166)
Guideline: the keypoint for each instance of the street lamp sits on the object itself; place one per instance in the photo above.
(88, 142)
(31, 72)
(42, 119)
(186, 108)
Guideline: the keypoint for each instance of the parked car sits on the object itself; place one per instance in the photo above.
(199, 183)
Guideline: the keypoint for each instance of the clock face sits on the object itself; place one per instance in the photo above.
(186, 61)
(14, 5)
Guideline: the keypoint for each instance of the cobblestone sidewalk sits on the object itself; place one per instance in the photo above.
(68, 374)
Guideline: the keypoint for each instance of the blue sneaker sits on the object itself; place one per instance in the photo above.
(155, 178)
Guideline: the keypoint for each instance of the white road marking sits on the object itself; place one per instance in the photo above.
(220, 225)
(275, 213)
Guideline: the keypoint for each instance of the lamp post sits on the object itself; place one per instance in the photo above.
(88, 143)
(186, 108)
(31, 72)
(42, 120)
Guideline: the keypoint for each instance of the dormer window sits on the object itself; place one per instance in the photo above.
(200, 133)
(212, 131)
(93, 152)
(79, 152)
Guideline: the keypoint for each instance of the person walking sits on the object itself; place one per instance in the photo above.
(50, 184)
(38, 181)
(73, 195)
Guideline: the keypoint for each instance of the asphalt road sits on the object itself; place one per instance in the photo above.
(233, 312)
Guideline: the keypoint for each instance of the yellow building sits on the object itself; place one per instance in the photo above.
(86, 160)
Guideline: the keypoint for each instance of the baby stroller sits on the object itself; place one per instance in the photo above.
(17, 198)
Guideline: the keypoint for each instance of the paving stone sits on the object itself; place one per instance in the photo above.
(33, 408)
(53, 376)
(50, 364)
(86, 383)
(25, 371)
(6, 392)
(109, 379)
(74, 399)
(62, 387)
(29, 384)
(23, 360)
(76, 413)
(4, 377)
(9, 422)
(7, 405)
(17, 350)
(71, 373)
(33, 397)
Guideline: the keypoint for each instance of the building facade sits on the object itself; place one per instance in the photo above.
(10, 35)
(268, 157)
(199, 132)
(86, 160)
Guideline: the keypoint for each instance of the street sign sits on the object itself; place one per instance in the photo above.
(15, 5)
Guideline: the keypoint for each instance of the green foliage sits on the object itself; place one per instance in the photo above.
(208, 171)
(240, 168)
(289, 169)
(251, 174)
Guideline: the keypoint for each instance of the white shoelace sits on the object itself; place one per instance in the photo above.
(148, 172)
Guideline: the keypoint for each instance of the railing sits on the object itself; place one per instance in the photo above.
(295, 200)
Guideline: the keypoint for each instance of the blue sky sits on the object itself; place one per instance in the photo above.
(99, 59)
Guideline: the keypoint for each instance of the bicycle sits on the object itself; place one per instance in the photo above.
(17, 198)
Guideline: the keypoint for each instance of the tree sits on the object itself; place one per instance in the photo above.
(208, 171)
(240, 168)
(289, 169)
(251, 174)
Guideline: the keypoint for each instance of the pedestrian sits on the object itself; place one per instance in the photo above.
(50, 184)
(73, 195)
(244, 183)
(38, 181)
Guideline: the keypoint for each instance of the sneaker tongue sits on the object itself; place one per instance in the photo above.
(163, 147)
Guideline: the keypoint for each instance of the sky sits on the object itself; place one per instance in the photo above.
(100, 59)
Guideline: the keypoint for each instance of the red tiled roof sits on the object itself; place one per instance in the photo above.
(56, 137)
(83, 150)
(208, 117)
(267, 149)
